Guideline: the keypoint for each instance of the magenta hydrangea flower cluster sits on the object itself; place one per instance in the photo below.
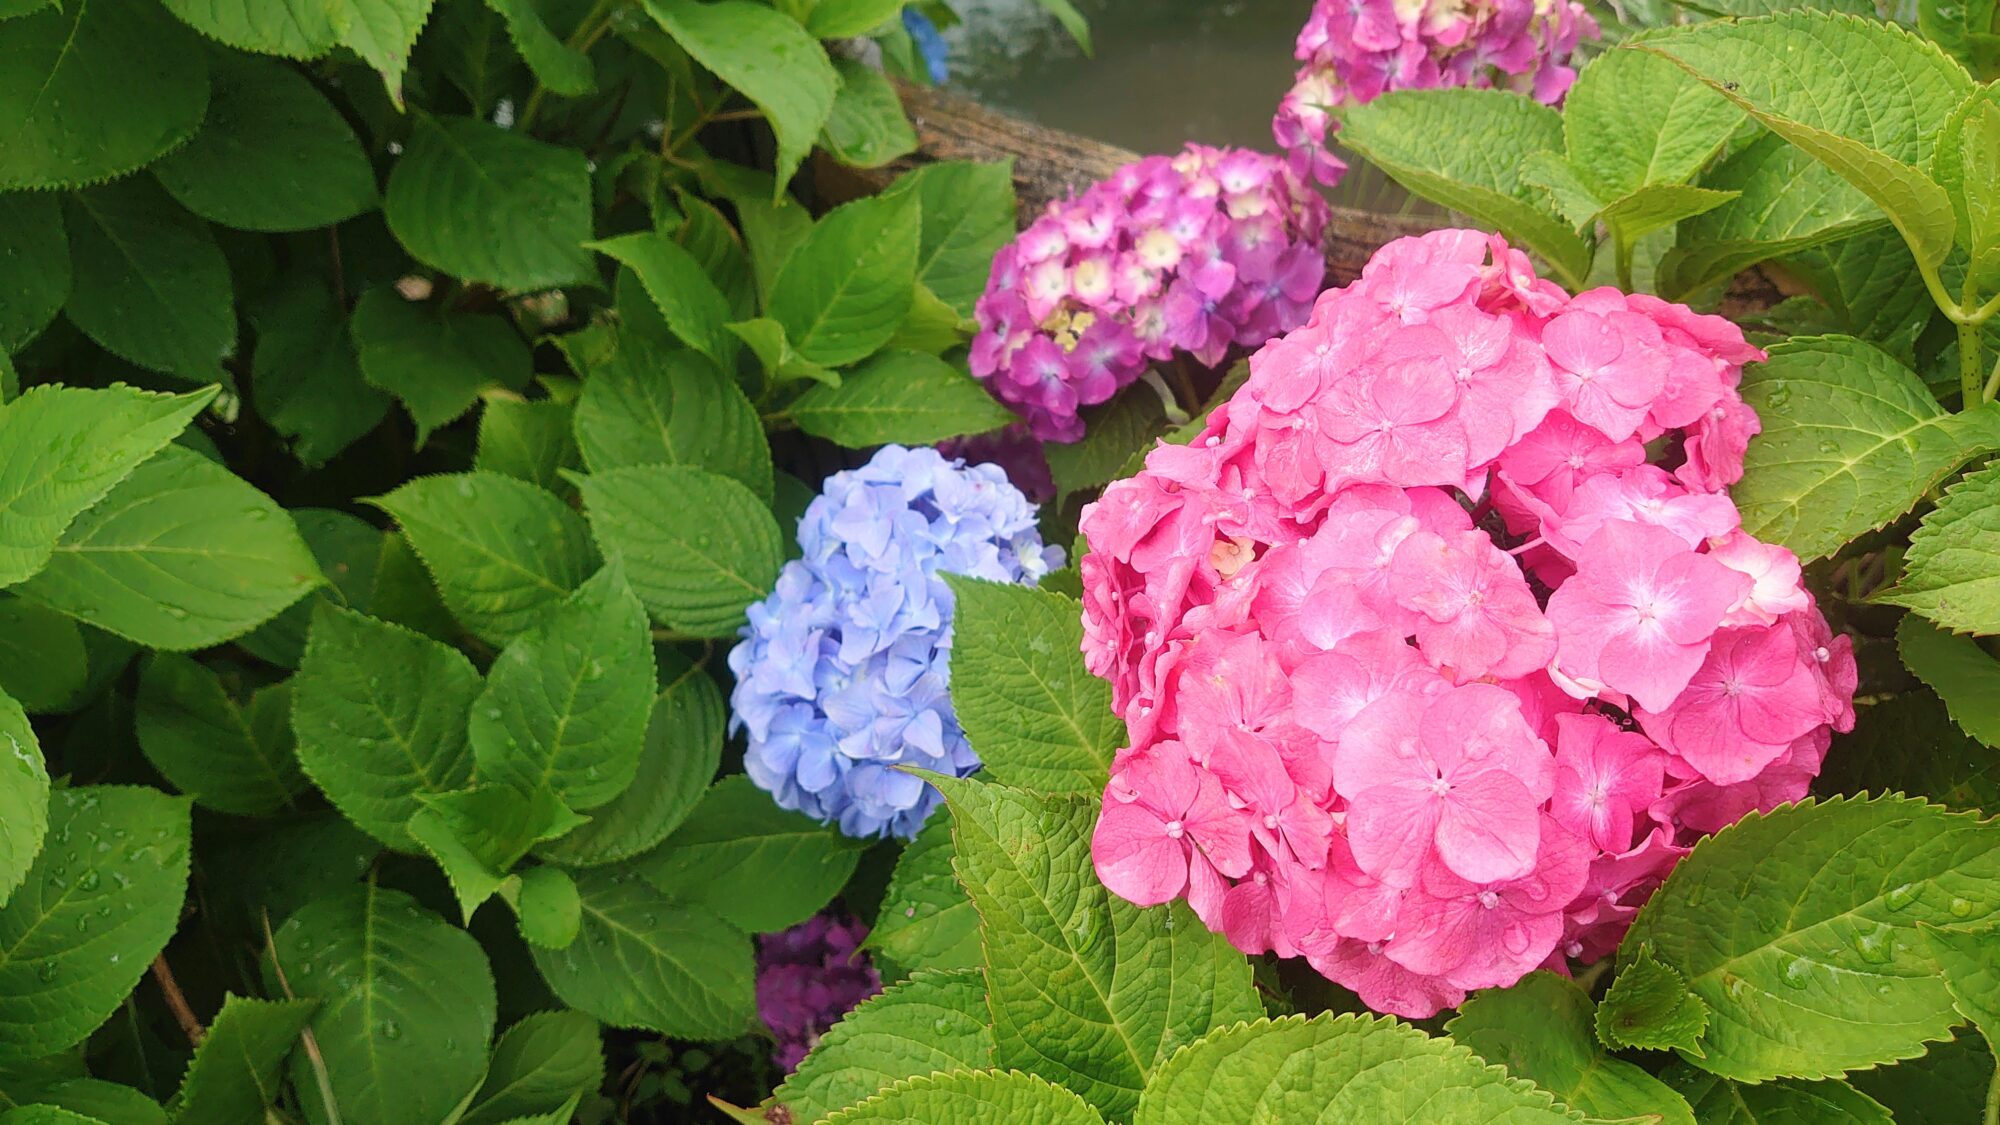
(1192, 253)
(1353, 51)
(1443, 643)
(807, 978)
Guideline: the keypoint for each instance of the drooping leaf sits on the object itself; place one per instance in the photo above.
(926, 920)
(238, 1070)
(530, 441)
(653, 405)
(435, 361)
(934, 1021)
(905, 397)
(968, 214)
(24, 797)
(1718, 1101)
(34, 265)
(306, 375)
(537, 1064)
(848, 285)
(1963, 675)
(1649, 1006)
(967, 1095)
(760, 867)
(867, 127)
(1952, 572)
(148, 281)
(561, 68)
(695, 310)
(234, 760)
(698, 548)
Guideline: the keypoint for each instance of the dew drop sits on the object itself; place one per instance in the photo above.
(1903, 896)
(1960, 908)
(1798, 974)
(1873, 946)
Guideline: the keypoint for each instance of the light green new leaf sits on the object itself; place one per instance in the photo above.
(149, 282)
(181, 555)
(485, 204)
(406, 1005)
(234, 760)
(968, 214)
(382, 33)
(34, 265)
(932, 327)
(1658, 206)
(1718, 1101)
(435, 361)
(305, 374)
(905, 397)
(98, 905)
(1634, 119)
(775, 355)
(694, 308)
(531, 441)
(501, 550)
(650, 404)
(934, 1021)
(846, 288)
(1960, 672)
(967, 1095)
(1947, 1086)
(558, 66)
(94, 89)
(1808, 976)
(868, 127)
(537, 1064)
(768, 58)
(1952, 572)
(24, 797)
(846, 19)
(1083, 986)
(698, 548)
(1970, 960)
(1540, 1030)
(643, 960)
(1649, 1006)
(43, 663)
(1966, 163)
(926, 920)
(380, 713)
(238, 1070)
(1851, 440)
(478, 834)
(760, 867)
(547, 906)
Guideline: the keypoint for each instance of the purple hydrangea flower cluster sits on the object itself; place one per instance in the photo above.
(1353, 51)
(807, 978)
(841, 674)
(1191, 253)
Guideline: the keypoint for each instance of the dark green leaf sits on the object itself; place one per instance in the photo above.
(34, 265)
(537, 1064)
(559, 67)
(530, 441)
(695, 310)
(1963, 675)
(43, 663)
(306, 376)
(234, 760)
(436, 362)
(149, 282)
(760, 867)
(1952, 769)
(238, 1070)
(654, 405)
(1718, 1101)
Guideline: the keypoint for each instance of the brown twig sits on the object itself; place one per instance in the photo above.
(177, 1003)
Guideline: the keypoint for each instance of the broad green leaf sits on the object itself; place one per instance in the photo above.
(305, 373)
(467, 45)
(1635, 119)
(1336, 1069)
(24, 797)
(272, 155)
(1540, 1029)
(846, 288)
(94, 89)
(934, 1021)
(530, 441)
(650, 404)
(768, 58)
(99, 903)
(1870, 283)
(1963, 675)
(932, 327)
(1952, 572)
(231, 759)
(682, 749)
(968, 215)
(43, 663)
(1787, 203)
(561, 68)
(348, 550)
(1851, 440)
(238, 1070)
(707, 234)
(485, 204)
(149, 283)
(1649, 1006)
(501, 550)
(34, 265)
(1947, 1086)
(698, 548)
(1718, 1101)
(846, 19)
(905, 397)
(1036, 716)
(695, 310)
(1953, 769)
(967, 1095)
(95, 1099)
(380, 714)
(1116, 433)
(1969, 958)
(406, 1005)
(867, 128)
(382, 33)
(926, 920)
(182, 554)
(1464, 148)
(1658, 206)
(645, 961)
(760, 867)
(547, 906)
(405, 595)
(478, 834)
(537, 1064)
(1074, 974)
(435, 361)
(566, 703)
(771, 227)
(297, 29)
(775, 354)
(1806, 975)
(281, 867)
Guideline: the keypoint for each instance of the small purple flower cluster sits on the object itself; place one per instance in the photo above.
(807, 978)
(1191, 253)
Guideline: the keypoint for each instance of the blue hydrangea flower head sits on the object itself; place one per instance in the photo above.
(930, 45)
(842, 673)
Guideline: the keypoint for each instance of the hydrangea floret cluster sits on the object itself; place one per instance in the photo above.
(1353, 51)
(1443, 643)
(807, 978)
(1193, 253)
(841, 672)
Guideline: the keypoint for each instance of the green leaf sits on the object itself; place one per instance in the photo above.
(1649, 1006)
(695, 310)
(1947, 1086)
(932, 327)
(1960, 672)
(966, 1095)
(436, 362)
(238, 1070)
(1718, 1101)
(1635, 119)
(1073, 973)
(46, 1115)
(1116, 433)
(272, 155)
(99, 903)
(682, 749)
(1952, 572)
(406, 1005)
(225, 758)
(846, 288)
(1870, 283)
(382, 33)
(868, 127)
(469, 48)
(34, 266)
(774, 353)
(380, 714)
(698, 548)
(643, 960)
(1787, 203)
(968, 215)
(654, 405)
(182, 554)
(530, 441)
(1659, 206)
(1463, 148)
(43, 663)
(93, 90)
(404, 594)
(1036, 716)
(98, 1100)
(537, 1064)
(561, 68)
(1851, 440)
(149, 282)
(1969, 957)
(24, 798)
(501, 550)
(904, 397)
(1336, 1068)
(297, 29)
(548, 907)
(1953, 769)
(935, 1021)
(478, 834)
(484, 204)
(1807, 976)
(1540, 1030)
(348, 550)
(926, 920)
(760, 867)
(846, 19)
(306, 376)
(768, 58)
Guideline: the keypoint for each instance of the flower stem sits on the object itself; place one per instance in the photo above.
(1971, 366)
